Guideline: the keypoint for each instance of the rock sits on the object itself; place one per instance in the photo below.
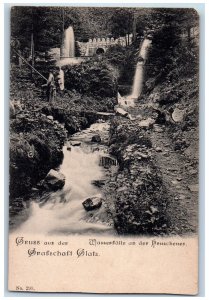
(192, 172)
(92, 203)
(139, 117)
(158, 129)
(174, 182)
(153, 209)
(68, 148)
(122, 189)
(96, 138)
(166, 154)
(54, 180)
(131, 118)
(33, 189)
(158, 149)
(75, 143)
(50, 118)
(146, 123)
(194, 187)
(182, 197)
(121, 112)
(98, 183)
(178, 115)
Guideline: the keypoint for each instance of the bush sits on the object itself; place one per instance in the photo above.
(92, 78)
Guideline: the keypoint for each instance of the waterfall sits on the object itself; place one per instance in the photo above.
(139, 73)
(68, 45)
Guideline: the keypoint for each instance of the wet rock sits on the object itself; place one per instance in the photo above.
(96, 138)
(54, 180)
(92, 203)
(121, 112)
(75, 143)
(194, 187)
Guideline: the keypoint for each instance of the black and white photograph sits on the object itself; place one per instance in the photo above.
(104, 122)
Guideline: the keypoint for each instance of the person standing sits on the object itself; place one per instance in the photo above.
(50, 87)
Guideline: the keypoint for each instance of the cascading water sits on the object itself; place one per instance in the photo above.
(68, 46)
(139, 73)
(67, 51)
(129, 101)
(62, 212)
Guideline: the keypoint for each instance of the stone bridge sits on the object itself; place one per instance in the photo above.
(100, 45)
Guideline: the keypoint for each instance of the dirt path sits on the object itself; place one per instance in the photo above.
(174, 166)
(178, 169)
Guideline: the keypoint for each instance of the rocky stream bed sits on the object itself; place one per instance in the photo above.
(144, 183)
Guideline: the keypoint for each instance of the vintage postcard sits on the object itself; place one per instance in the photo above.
(104, 113)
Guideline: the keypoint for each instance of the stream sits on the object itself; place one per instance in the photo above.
(62, 212)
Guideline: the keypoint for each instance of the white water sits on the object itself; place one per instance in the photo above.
(63, 212)
(68, 46)
(129, 101)
(139, 73)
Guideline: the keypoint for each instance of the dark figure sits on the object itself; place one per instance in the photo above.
(50, 87)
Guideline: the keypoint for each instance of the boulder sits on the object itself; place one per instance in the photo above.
(121, 112)
(54, 180)
(92, 203)
(178, 115)
(96, 138)
(75, 143)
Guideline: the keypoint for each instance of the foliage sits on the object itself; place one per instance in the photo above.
(91, 78)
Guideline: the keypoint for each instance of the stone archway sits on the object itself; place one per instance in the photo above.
(100, 51)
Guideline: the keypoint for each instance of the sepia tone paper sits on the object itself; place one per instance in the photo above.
(104, 150)
(135, 265)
